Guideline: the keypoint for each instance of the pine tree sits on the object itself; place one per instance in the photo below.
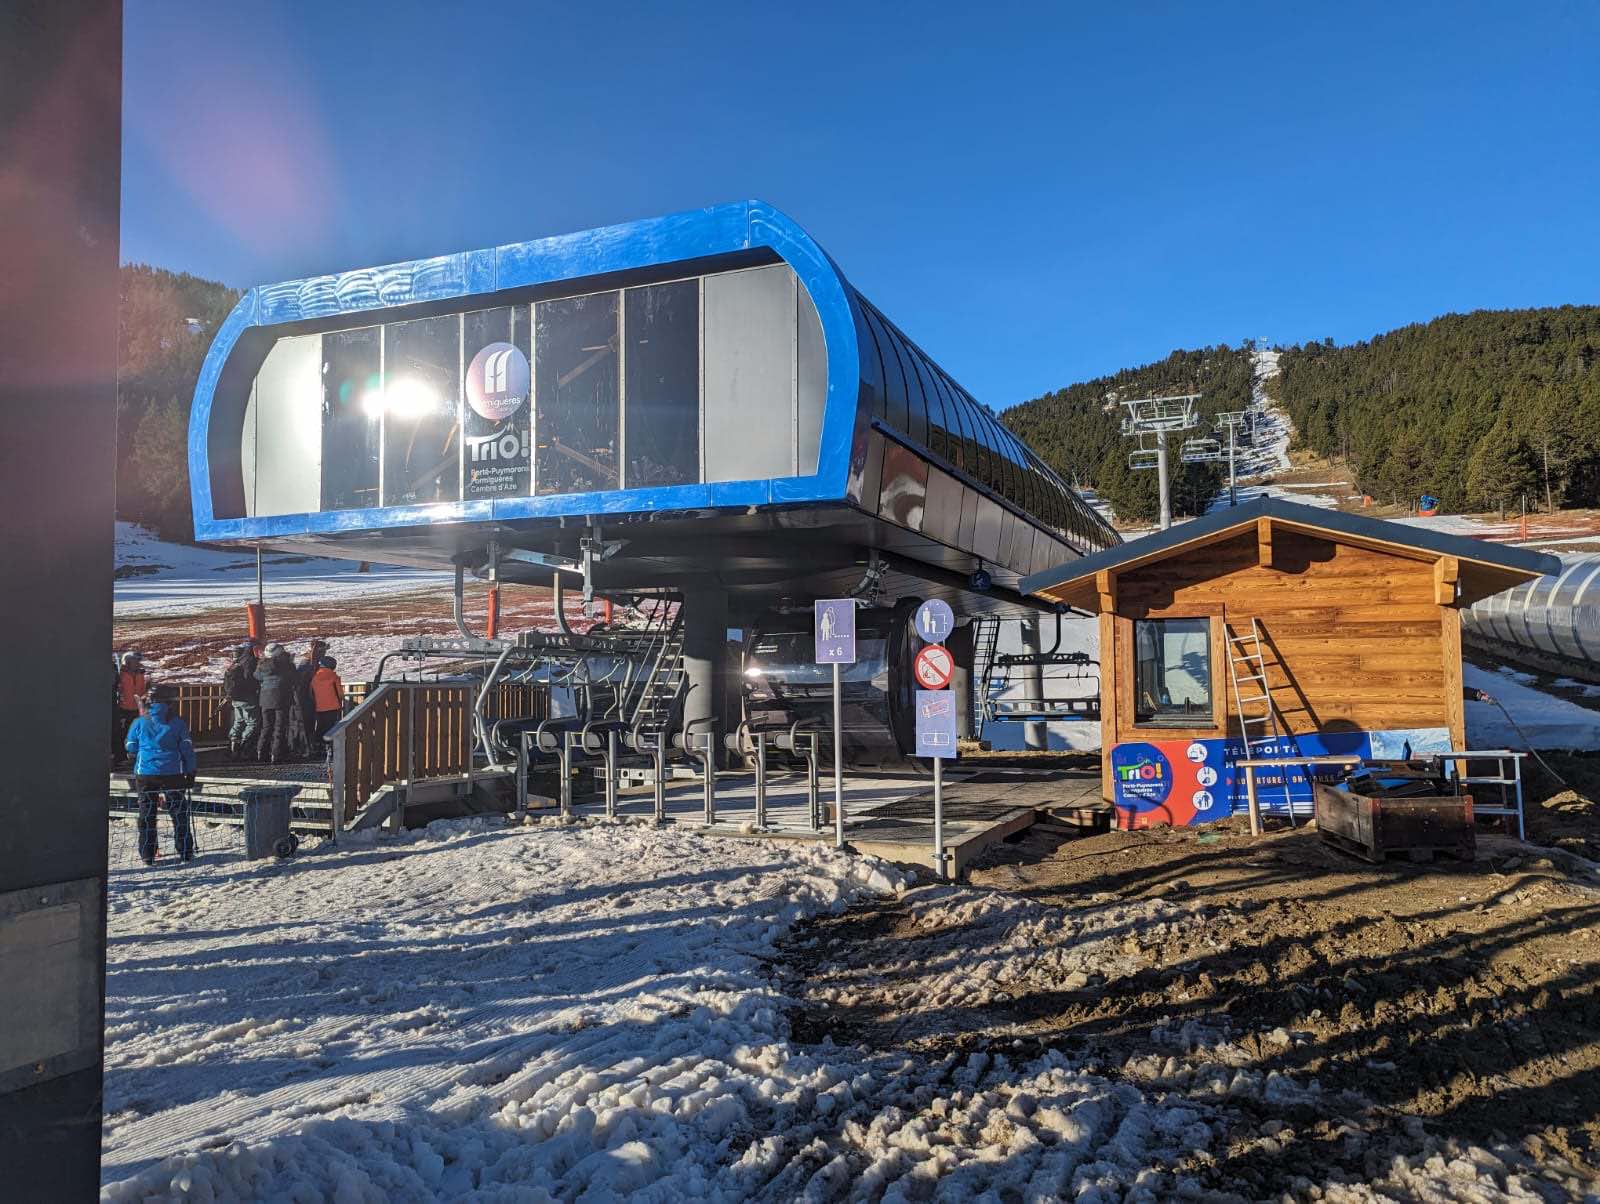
(1500, 473)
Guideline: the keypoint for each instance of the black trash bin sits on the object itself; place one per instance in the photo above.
(266, 821)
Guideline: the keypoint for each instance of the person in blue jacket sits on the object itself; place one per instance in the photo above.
(163, 765)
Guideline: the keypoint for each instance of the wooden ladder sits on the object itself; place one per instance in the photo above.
(1249, 672)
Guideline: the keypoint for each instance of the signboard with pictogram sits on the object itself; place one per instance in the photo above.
(935, 621)
(933, 667)
(936, 723)
(835, 631)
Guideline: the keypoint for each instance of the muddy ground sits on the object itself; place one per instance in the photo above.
(1371, 1010)
(194, 647)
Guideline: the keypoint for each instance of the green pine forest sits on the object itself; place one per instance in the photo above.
(167, 322)
(1077, 429)
(1489, 410)
(1486, 411)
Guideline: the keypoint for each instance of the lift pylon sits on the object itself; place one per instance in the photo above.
(1159, 417)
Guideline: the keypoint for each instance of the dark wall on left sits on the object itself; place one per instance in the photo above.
(60, 164)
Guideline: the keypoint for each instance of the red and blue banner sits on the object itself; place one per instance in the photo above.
(1182, 782)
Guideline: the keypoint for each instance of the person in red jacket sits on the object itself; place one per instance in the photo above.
(327, 695)
(129, 691)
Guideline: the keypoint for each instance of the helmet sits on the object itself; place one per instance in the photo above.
(329, 663)
(274, 649)
(129, 659)
(162, 693)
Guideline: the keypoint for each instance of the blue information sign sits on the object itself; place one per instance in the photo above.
(936, 724)
(836, 631)
(935, 621)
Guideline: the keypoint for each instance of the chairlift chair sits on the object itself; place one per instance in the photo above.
(1082, 702)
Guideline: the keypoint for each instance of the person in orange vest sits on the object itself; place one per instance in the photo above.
(327, 693)
(129, 690)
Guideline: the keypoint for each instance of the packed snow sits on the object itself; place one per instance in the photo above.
(1270, 425)
(158, 577)
(1537, 719)
(565, 1008)
(589, 1012)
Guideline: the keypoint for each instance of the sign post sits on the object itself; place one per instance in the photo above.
(836, 645)
(936, 708)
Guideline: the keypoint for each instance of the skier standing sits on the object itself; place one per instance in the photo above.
(327, 693)
(130, 689)
(276, 675)
(243, 690)
(163, 765)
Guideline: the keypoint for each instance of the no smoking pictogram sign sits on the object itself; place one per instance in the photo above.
(933, 667)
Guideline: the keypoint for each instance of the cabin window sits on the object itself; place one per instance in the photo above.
(576, 394)
(722, 377)
(497, 418)
(422, 411)
(352, 417)
(662, 322)
(1172, 672)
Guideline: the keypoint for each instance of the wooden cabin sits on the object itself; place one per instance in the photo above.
(1281, 629)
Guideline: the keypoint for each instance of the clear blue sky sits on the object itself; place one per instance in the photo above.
(1037, 193)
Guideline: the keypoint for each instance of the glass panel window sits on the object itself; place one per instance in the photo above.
(352, 418)
(894, 382)
(934, 438)
(497, 417)
(663, 388)
(1010, 486)
(982, 447)
(916, 403)
(422, 411)
(960, 430)
(871, 369)
(576, 394)
(1172, 672)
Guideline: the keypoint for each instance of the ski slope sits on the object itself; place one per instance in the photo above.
(156, 577)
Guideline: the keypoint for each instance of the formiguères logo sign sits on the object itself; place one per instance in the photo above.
(497, 381)
(1142, 773)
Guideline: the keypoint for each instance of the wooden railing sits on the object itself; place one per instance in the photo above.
(407, 731)
(204, 708)
(395, 732)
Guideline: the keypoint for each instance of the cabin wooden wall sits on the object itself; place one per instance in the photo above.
(1354, 639)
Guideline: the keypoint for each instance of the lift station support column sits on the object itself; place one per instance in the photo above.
(1034, 733)
(961, 687)
(705, 660)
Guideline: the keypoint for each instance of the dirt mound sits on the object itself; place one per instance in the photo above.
(1334, 1015)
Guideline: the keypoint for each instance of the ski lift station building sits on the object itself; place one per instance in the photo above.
(1358, 624)
(706, 386)
(701, 400)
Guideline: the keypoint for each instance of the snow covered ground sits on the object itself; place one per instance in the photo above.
(156, 577)
(588, 1012)
(562, 1008)
(1270, 425)
(1544, 720)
